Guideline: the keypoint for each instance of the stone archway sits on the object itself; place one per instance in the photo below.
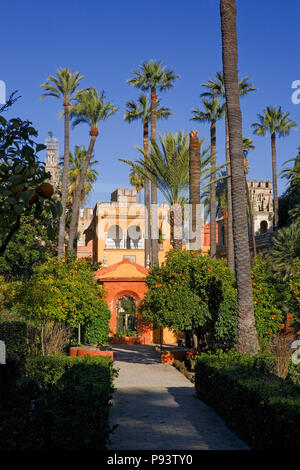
(126, 306)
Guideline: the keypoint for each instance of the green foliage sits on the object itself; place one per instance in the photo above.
(236, 387)
(21, 176)
(65, 290)
(192, 292)
(294, 373)
(286, 250)
(270, 296)
(93, 332)
(30, 247)
(72, 398)
(294, 285)
(14, 334)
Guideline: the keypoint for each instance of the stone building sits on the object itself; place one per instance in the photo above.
(52, 159)
(261, 197)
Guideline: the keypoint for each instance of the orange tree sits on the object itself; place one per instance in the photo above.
(65, 290)
(271, 298)
(24, 190)
(192, 293)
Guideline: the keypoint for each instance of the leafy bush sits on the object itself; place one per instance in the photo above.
(262, 408)
(63, 404)
(14, 334)
(65, 291)
(192, 292)
(93, 332)
(270, 295)
(294, 373)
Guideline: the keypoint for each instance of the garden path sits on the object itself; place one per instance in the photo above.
(155, 408)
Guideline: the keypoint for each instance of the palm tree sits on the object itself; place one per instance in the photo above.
(247, 146)
(217, 88)
(90, 108)
(168, 169)
(277, 123)
(63, 86)
(75, 166)
(153, 76)
(286, 251)
(194, 183)
(137, 181)
(213, 111)
(247, 335)
(293, 193)
(142, 111)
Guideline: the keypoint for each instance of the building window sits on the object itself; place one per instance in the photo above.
(114, 237)
(131, 258)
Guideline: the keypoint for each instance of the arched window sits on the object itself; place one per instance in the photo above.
(134, 238)
(114, 237)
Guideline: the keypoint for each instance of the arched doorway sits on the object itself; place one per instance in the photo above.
(263, 227)
(126, 315)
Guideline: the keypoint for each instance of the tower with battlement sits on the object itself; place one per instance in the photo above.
(52, 159)
(261, 197)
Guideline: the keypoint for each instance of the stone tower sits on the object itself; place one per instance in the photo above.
(261, 196)
(52, 159)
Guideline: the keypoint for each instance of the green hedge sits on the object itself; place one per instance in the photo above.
(61, 403)
(261, 408)
(14, 334)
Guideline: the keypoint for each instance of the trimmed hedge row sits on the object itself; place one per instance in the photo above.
(261, 408)
(14, 334)
(60, 403)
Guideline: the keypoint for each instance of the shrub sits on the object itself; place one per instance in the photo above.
(65, 291)
(71, 398)
(189, 292)
(262, 408)
(95, 332)
(294, 373)
(14, 334)
(270, 294)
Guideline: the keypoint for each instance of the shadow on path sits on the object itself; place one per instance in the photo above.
(170, 419)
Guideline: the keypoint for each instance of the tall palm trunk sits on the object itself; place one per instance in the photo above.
(176, 226)
(194, 187)
(251, 218)
(229, 234)
(147, 200)
(72, 245)
(154, 215)
(62, 220)
(275, 191)
(247, 336)
(213, 248)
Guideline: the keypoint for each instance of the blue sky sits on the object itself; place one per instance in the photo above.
(105, 41)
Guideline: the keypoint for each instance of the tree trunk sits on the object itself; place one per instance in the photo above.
(62, 220)
(194, 188)
(229, 235)
(213, 248)
(154, 214)
(251, 219)
(275, 192)
(176, 226)
(78, 191)
(247, 336)
(147, 200)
